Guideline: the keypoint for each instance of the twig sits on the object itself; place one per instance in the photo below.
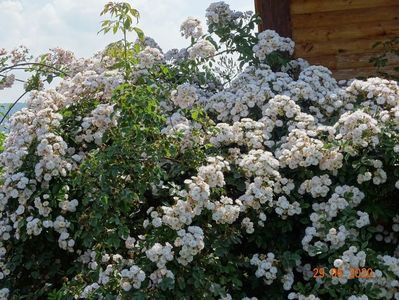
(33, 64)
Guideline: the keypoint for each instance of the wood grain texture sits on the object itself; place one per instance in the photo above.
(275, 15)
(360, 72)
(339, 18)
(310, 6)
(338, 47)
(347, 31)
(349, 61)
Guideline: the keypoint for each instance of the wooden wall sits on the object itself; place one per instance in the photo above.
(340, 34)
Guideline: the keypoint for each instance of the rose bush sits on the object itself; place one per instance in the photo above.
(225, 170)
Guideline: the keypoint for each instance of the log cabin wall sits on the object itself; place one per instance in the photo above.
(338, 34)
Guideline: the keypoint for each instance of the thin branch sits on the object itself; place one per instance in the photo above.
(12, 106)
(33, 64)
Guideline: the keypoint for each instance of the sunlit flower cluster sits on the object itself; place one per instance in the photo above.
(202, 49)
(185, 95)
(270, 41)
(191, 243)
(191, 28)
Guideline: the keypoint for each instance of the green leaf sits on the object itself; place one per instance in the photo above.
(139, 32)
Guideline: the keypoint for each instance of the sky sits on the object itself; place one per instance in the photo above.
(73, 24)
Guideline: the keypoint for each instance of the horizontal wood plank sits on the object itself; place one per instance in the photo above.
(345, 61)
(347, 32)
(356, 46)
(339, 18)
(310, 6)
(361, 72)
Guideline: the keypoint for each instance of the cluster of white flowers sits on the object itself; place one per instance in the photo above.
(300, 150)
(280, 106)
(179, 126)
(160, 254)
(219, 13)
(250, 89)
(343, 197)
(191, 243)
(351, 258)
(359, 128)
(150, 57)
(61, 226)
(176, 55)
(185, 95)
(58, 58)
(288, 280)
(212, 173)
(96, 83)
(224, 211)
(4, 293)
(33, 226)
(259, 163)
(392, 263)
(305, 270)
(7, 81)
(316, 85)
(156, 218)
(191, 28)
(89, 291)
(69, 205)
(4, 271)
(269, 41)
(265, 266)
(132, 277)
(130, 242)
(378, 93)
(226, 297)
(299, 296)
(19, 54)
(248, 225)
(65, 242)
(257, 193)
(110, 266)
(246, 132)
(318, 186)
(363, 219)
(96, 124)
(180, 214)
(315, 89)
(160, 274)
(378, 176)
(285, 208)
(198, 190)
(43, 208)
(358, 297)
(202, 49)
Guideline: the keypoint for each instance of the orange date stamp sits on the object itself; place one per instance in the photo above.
(354, 273)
